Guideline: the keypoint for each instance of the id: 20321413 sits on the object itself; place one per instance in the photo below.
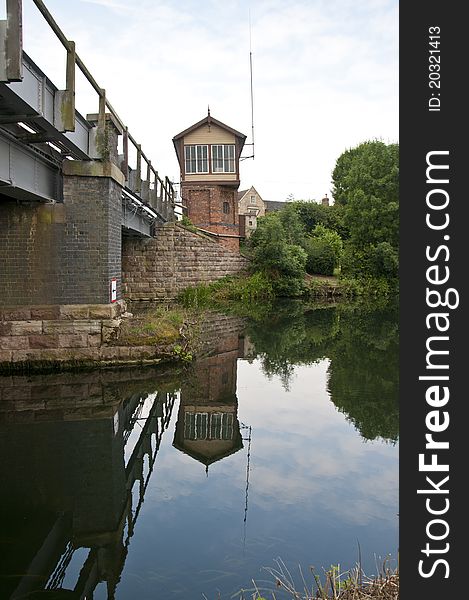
(434, 68)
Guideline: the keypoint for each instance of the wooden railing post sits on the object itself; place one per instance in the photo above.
(146, 191)
(11, 43)
(138, 180)
(125, 148)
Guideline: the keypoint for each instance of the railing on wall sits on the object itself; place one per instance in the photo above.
(158, 192)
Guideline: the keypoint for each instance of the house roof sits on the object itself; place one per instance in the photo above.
(271, 205)
(209, 460)
(207, 121)
(242, 193)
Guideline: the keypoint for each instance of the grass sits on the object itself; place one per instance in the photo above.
(334, 585)
(163, 325)
(228, 290)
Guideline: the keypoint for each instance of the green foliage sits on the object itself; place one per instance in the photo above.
(332, 238)
(372, 220)
(320, 256)
(362, 343)
(277, 256)
(372, 167)
(152, 327)
(311, 214)
(356, 262)
(386, 260)
(293, 226)
(368, 287)
(366, 187)
(380, 261)
(246, 290)
(187, 223)
(182, 354)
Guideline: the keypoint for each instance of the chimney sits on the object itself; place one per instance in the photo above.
(325, 201)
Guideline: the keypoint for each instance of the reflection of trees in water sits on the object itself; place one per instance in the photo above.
(362, 345)
(364, 372)
(292, 337)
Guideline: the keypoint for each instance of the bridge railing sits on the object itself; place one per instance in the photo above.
(158, 192)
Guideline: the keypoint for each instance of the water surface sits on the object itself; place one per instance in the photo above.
(150, 484)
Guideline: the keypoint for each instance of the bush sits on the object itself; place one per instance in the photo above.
(255, 288)
(386, 260)
(371, 261)
(320, 257)
(289, 287)
(332, 238)
(273, 255)
(356, 262)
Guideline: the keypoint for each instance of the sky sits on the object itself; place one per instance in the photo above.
(325, 77)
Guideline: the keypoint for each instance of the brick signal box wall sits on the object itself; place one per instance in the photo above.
(205, 209)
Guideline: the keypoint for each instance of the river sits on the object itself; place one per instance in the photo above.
(278, 447)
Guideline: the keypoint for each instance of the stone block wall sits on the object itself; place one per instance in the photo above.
(160, 268)
(57, 333)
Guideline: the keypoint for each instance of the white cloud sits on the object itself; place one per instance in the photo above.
(325, 76)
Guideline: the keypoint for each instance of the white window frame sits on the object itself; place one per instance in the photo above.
(223, 158)
(194, 154)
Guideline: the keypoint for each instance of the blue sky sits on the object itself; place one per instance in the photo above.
(325, 76)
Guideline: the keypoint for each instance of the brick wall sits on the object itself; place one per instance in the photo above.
(93, 208)
(31, 268)
(205, 209)
(62, 253)
(175, 259)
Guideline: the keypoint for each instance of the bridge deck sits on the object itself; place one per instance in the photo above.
(32, 149)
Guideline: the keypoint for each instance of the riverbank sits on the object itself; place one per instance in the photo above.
(349, 586)
(50, 338)
(334, 585)
(86, 337)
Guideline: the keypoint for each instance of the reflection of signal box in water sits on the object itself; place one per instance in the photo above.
(207, 428)
(208, 153)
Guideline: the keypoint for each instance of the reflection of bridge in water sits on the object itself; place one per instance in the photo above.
(75, 489)
(78, 451)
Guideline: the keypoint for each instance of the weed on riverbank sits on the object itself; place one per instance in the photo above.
(172, 328)
(334, 585)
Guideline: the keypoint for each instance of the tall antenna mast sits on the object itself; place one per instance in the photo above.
(252, 93)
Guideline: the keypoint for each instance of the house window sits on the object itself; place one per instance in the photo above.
(223, 158)
(215, 426)
(226, 208)
(253, 200)
(250, 223)
(195, 426)
(221, 426)
(196, 159)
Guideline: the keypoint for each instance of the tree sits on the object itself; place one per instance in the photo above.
(366, 185)
(274, 254)
(332, 238)
(372, 167)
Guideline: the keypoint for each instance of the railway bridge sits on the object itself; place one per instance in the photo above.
(73, 189)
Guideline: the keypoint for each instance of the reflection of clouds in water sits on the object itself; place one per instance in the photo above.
(304, 454)
(316, 457)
